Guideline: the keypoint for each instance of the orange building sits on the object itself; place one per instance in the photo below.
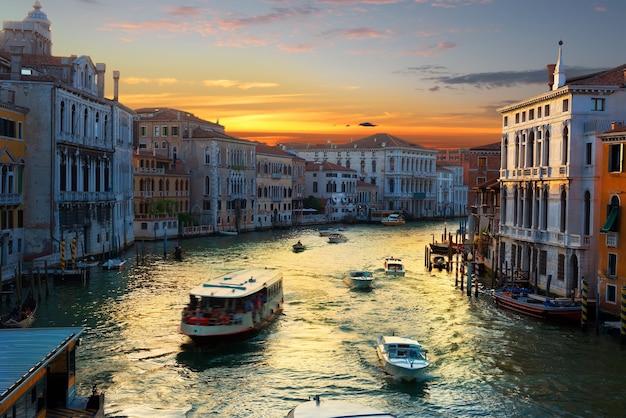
(612, 249)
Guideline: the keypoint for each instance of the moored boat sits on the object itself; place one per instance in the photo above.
(524, 302)
(229, 233)
(439, 262)
(394, 266)
(233, 305)
(393, 220)
(323, 408)
(23, 315)
(114, 264)
(335, 238)
(359, 279)
(402, 357)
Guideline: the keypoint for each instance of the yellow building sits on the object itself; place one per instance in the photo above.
(12, 150)
(161, 192)
(612, 249)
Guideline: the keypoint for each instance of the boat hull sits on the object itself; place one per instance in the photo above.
(401, 357)
(359, 279)
(536, 308)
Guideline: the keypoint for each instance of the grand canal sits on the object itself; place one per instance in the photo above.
(485, 361)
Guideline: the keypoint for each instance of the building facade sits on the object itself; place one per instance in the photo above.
(12, 165)
(275, 173)
(80, 143)
(404, 173)
(549, 176)
(611, 221)
(335, 187)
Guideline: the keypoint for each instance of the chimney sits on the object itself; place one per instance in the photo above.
(16, 62)
(616, 126)
(551, 68)
(116, 85)
(100, 70)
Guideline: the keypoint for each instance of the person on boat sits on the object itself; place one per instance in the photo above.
(299, 243)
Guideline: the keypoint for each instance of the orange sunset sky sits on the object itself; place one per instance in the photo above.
(431, 72)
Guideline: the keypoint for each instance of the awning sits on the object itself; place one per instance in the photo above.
(610, 220)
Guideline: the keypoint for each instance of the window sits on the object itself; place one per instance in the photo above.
(480, 180)
(611, 293)
(531, 114)
(597, 104)
(523, 116)
(546, 110)
(157, 131)
(616, 152)
(506, 121)
(517, 118)
(174, 130)
(164, 130)
(611, 224)
(539, 112)
(611, 268)
(482, 163)
(588, 149)
(156, 144)
(565, 105)
(143, 131)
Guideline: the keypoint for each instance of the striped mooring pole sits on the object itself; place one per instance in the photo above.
(583, 316)
(622, 331)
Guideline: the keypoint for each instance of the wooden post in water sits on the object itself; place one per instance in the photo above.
(39, 282)
(622, 331)
(583, 314)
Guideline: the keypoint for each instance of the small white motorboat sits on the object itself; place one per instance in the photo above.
(394, 266)
(402, 357)
(114, 264)
(316, 407)
(359, 279)
(335, 238)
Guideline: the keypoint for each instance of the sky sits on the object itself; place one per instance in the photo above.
(431, 72)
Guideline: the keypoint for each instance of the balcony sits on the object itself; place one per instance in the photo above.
(536, 236)
(11, 199)
(84, 197)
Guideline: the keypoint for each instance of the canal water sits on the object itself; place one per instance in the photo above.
(485, 361)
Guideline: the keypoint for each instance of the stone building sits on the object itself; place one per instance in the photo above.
(275, 173)
(548, 177)
(404, 173)
(335, 187)
(78, 183)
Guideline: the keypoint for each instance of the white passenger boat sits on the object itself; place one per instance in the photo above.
(324, 408)
(394, 266)
(359, 279)
(234, 305)
(402, 357)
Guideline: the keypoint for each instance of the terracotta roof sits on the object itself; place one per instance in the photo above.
(612, 77)
(168, 114)
(496, 146)
(266, 149)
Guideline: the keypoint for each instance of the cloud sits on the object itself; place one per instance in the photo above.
(277, 15)
(432, 50)
(489, 80)
(237, 84)
(357, 33)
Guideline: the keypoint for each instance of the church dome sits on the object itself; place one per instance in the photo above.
(37, 14)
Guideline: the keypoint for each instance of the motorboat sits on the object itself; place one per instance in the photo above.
(316, 407)
(439, 262)
(229, 233)
(114, 264)
(325, 232)
(522, 301)
(394, 266)
(402, 357)
(335, 238)
(393, 220)
(23, 315)
(233, 305)
(298, 247)
(88, 262)
(359, 279)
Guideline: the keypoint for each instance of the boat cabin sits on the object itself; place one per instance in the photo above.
(38, 374)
